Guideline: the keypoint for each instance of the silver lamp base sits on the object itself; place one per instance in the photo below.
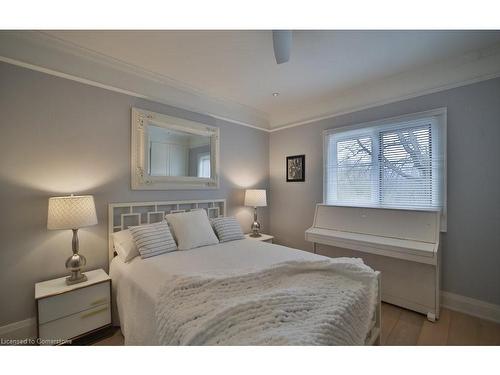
(255, 225)
(75, 262)
(75, 278)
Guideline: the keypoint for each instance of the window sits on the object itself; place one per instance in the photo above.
(204, 166)
(395, 163)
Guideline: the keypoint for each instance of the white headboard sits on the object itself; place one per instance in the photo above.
(123, 215)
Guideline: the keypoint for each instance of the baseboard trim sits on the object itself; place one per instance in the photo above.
(23, 329)
(471, 306)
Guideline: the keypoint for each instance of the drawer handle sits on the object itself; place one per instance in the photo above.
(94, 312)
(99, 301)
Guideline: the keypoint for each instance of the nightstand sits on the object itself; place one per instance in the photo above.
(66, 312)
(263, 237)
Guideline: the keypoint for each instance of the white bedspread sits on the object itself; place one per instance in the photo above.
(150, 299)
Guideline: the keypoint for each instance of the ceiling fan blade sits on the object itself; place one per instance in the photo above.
(282, 43)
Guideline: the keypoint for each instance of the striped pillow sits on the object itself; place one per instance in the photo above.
(227, 229)
(153, 239)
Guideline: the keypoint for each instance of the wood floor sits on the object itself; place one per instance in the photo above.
(404, 327)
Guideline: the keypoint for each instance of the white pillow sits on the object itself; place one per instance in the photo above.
(124, 245)
(192, 229)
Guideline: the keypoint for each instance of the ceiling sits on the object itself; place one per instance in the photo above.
(239, 66)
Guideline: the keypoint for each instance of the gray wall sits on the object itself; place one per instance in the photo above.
(59, 137)
(471, 246)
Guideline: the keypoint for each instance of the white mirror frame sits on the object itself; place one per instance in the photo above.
(139, 153)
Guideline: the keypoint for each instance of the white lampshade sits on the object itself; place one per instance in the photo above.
(255, 198)
(71, 212)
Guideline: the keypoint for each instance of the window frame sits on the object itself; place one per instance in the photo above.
(373, 129)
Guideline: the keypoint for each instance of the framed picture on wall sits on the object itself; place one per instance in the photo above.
(296, 168)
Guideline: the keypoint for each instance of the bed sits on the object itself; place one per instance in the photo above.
(152, 307)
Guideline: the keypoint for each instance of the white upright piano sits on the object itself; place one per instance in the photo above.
(402, 244)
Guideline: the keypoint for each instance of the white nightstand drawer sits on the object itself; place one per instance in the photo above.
(76, 324)
(65, 304)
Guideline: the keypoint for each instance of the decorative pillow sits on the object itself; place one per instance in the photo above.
(153, 239)
(227, 229)
(124, 245)
(192, 229)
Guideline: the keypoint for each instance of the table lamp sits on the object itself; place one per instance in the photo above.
(72, 212)
(255, 198)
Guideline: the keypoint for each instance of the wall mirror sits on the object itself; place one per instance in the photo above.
(170, 153)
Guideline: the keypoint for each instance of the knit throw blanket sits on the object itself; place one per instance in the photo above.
(329, 302)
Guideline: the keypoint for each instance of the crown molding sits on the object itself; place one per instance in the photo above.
(45, 53)
(42, 52)
(472, 67)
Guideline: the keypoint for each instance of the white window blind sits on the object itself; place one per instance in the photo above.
(395, 163)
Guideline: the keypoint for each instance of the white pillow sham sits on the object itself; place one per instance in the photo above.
(192, 229)
(124, 245)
